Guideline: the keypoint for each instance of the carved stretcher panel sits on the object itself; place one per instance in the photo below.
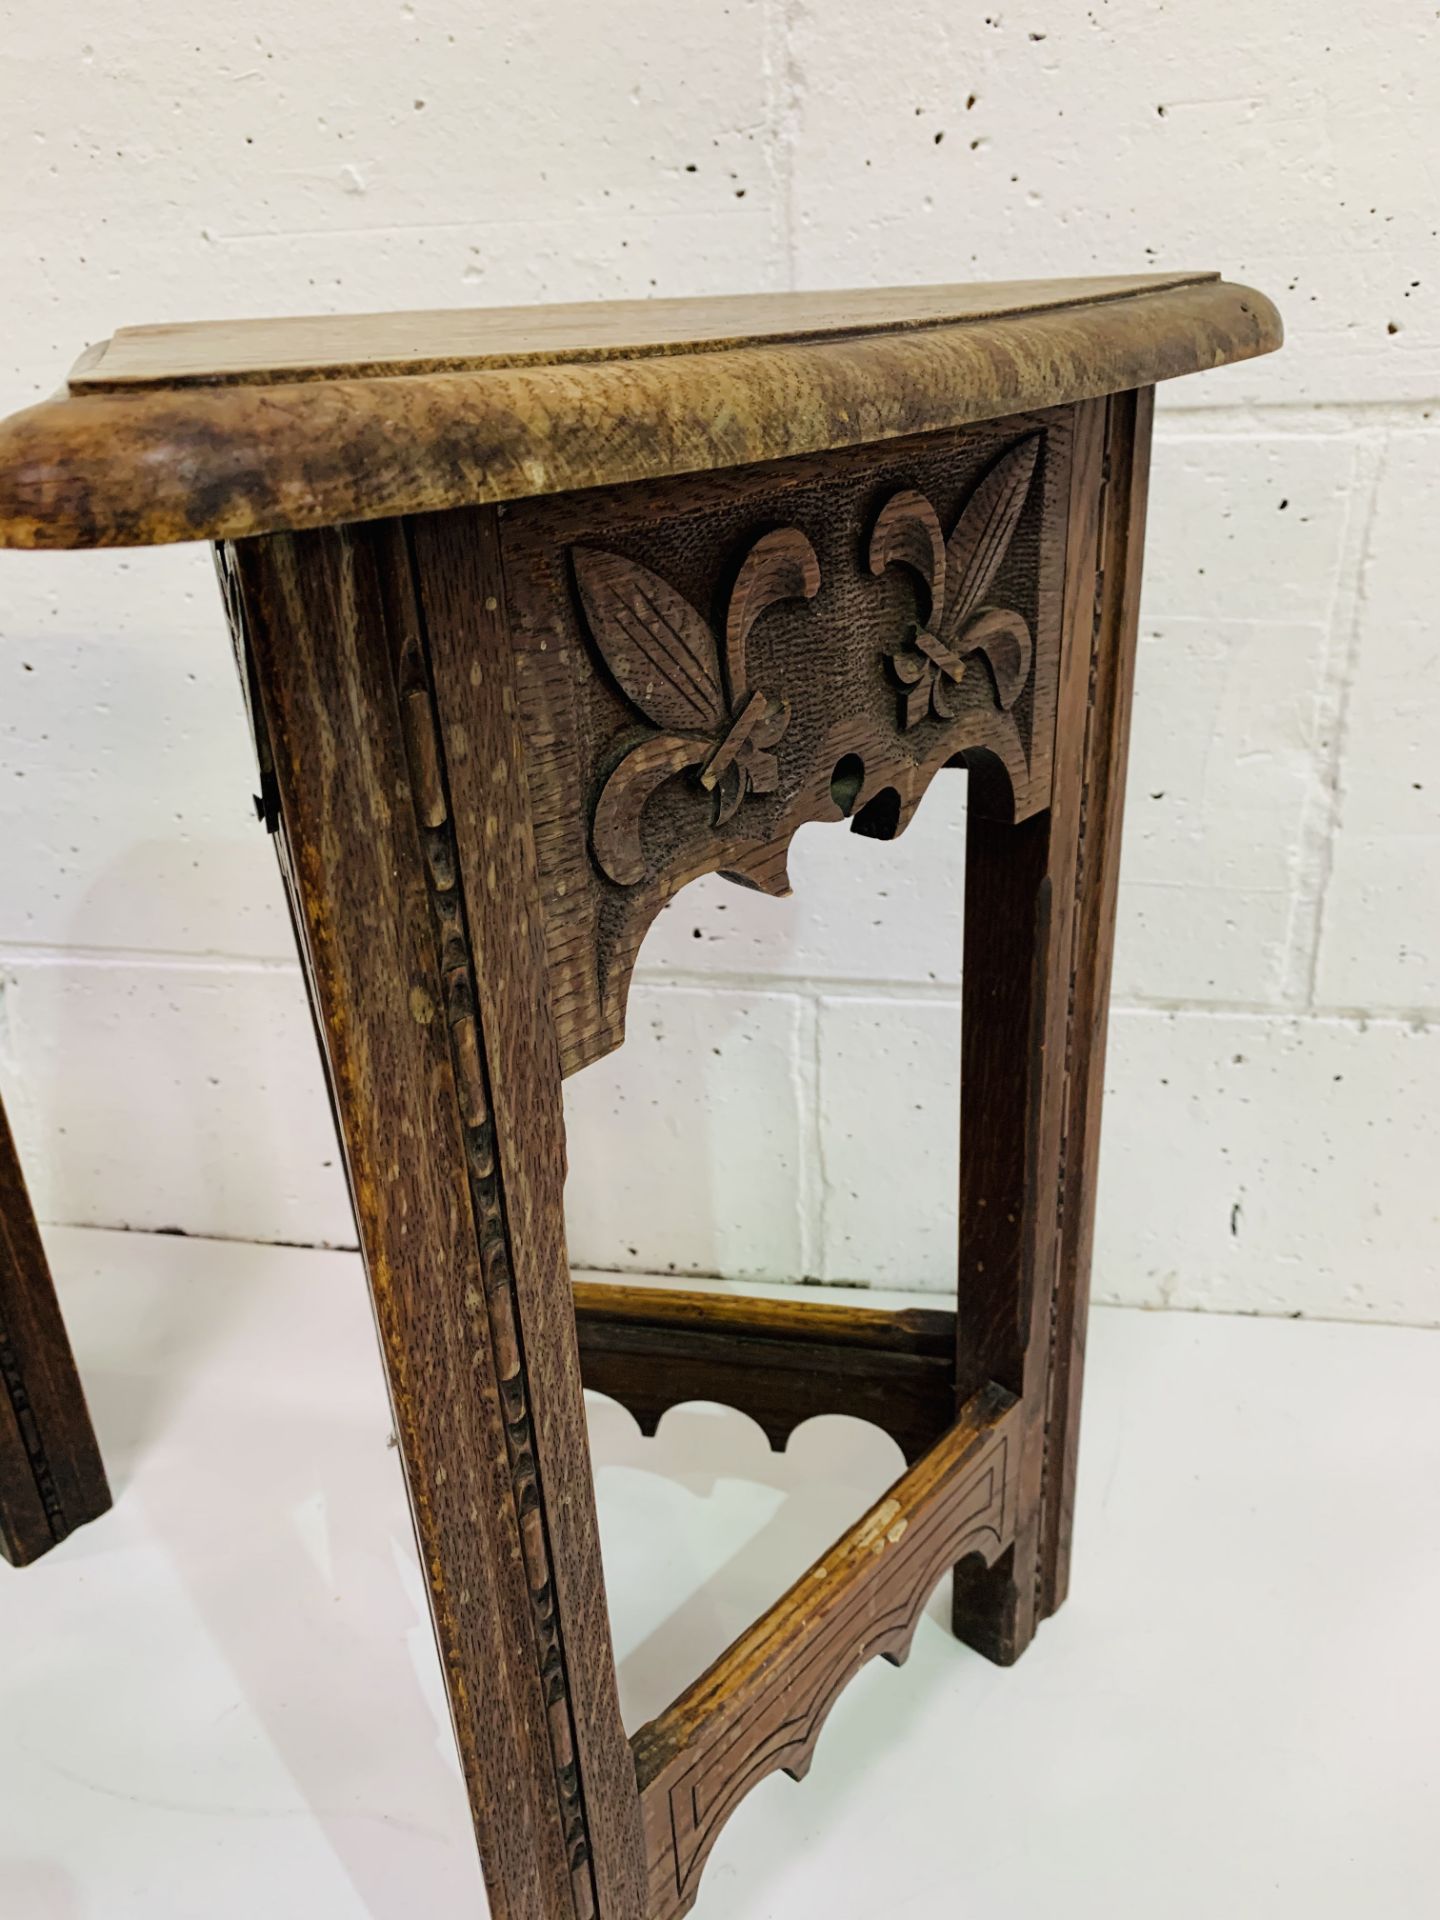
(781, 1362)
(705, 665)
(760, 1709)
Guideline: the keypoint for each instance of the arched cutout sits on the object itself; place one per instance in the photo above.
(997, 768)
(879, 818)
(684, 1154)
(992, 784)
(846, 782)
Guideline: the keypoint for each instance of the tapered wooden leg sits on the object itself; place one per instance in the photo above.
(1039, 928)
(51, 1476)
(1007, 1157)
(380, 678)
(1122, 546)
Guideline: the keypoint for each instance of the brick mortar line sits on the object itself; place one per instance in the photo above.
(776, 986)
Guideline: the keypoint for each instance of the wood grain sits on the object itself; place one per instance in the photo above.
(779, 1361)
(457, 579)
(423, 786)
(52, 1479)
(226, 461)
(649, 620)
(332, 649)
(1019, 906)
(1120, 541)
(540, 615)
(1040, 905)
(328, 346)
(761, 1707)
(495, 638)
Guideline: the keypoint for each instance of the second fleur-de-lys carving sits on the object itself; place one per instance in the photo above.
(957, 574)
(670, 666)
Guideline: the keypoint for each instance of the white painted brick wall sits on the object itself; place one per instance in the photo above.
(785, 1106)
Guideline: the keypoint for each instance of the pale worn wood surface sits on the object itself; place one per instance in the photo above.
(220, 459)
(802, 1322)
(461, 339)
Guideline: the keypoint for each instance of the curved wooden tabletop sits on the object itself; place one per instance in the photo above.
(225, 429)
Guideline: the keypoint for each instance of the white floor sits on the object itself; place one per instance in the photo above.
(222, 1700)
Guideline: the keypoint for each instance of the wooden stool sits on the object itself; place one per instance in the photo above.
(540, 615)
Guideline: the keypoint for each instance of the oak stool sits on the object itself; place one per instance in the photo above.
(541, 614)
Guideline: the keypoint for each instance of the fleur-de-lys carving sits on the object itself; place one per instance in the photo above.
(957, 574)
(670, 666)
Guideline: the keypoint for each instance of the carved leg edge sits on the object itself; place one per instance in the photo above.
(1120, 546)
(347, 716)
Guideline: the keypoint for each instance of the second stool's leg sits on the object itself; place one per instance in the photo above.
(1039, 927)
(412, 871)
(51, 1476)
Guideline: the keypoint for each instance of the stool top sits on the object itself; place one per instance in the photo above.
(224, 429)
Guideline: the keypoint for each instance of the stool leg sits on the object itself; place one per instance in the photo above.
(407, 844)
(1039, 930)
(52, 1479)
